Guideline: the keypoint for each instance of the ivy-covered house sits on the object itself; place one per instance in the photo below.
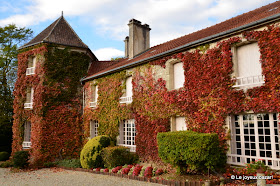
(223, 79)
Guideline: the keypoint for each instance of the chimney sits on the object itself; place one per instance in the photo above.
(126, 44)
(139, 38)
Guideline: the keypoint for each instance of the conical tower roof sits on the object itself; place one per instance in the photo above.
(59, 32)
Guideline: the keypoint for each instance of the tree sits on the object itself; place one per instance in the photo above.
(10, 38)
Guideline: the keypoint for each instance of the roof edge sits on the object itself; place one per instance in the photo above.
(183, 47)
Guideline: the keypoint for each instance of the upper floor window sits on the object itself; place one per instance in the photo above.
(248, 70)
(94, 128)
(178, 75)
(94, 91)
(31, 65)
(27, 135)
(29, 98)
(127, 98)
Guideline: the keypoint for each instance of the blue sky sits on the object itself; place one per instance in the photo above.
(102, 24)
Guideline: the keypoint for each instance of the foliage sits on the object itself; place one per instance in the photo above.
(91, 153)
(137, 170)
(56, 114)
(109, 111)
(116, 156)
(70, 163)
(256, 165)
(191, 150)
(11, 37)
(4, 156)
(116, 169)
(20, 159)
(49, 164)
(148, 172)
(159, 172)
(126, 170)
(6, 164)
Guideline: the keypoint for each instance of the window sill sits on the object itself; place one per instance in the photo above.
(26, 145)
(28, 106)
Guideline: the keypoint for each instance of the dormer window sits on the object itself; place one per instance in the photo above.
(178, 75)
(127, 98)
(94, 91)
(29, 98)
(31, 65)
(248, 70)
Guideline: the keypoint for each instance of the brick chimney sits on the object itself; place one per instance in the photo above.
(138, 40)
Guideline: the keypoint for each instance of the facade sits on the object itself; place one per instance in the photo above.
(223, 79)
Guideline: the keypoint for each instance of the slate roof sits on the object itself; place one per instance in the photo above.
(59, 32)
(264, 14)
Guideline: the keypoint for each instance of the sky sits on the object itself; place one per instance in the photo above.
(102, 24)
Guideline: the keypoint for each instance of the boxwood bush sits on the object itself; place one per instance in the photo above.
(188, 149)
(91, 153)
(4, 156)
(20, 159)
(118, 155)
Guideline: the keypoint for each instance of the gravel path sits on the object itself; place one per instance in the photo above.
(59, 177)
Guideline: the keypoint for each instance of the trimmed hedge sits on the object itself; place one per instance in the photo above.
(4, 156)
(191, 150)
(20, 159)
(91, 153)
(117, 156)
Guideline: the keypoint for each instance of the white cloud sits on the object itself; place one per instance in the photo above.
(167, 18)
(104, 54)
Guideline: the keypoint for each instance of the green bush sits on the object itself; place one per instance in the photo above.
(49, 164)
(116, 156)
(6, 164)
(91, 153)
(20, 159)
(72, 163)
(188, 149)
(4, 156)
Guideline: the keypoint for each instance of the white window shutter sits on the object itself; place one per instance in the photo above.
(248, 59)
(179, 77)
(180, 123)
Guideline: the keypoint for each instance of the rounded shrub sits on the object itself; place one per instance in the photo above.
(20, 159)
(118, 155)
(4, 156)
(91, 153)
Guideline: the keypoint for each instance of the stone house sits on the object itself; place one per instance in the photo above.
(221, 79)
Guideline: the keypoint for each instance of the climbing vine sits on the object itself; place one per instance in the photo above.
(56, 114)
(109, 111)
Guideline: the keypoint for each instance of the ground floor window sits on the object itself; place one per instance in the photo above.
(254, 137)
(127, 134)
(93, 128)
(27, 135)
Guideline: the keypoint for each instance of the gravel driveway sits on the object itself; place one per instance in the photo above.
(57, 176)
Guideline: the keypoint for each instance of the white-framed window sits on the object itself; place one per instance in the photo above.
(127, 98)
(254, 137)
(29, 98)
(127, 132)
(178, 75)
(94, 91)
(94, 128)
(27, 135)
(248, 70)
(31, 65)
(180, 123)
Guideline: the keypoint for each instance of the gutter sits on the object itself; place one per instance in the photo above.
(191, 44)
